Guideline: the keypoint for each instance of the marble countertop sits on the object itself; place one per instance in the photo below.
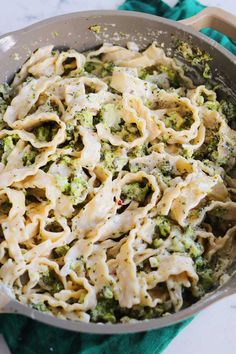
(213, 330)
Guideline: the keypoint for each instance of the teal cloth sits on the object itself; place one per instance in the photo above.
(183, 9)
(25, 336)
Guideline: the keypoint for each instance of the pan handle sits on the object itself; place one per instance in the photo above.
(213, 17)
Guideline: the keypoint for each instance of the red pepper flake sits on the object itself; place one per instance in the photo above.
(120, 202)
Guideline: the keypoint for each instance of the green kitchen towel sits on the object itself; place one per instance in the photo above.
(25, 336)
(183, 9)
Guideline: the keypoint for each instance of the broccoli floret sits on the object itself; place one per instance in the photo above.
(29, 156)
(52, 282)
(163, 226)
(157, 242)
(165, 168)
(107, 292)
(138, 151)
(143, 74)
(5, 91)
(67, 160)
(89, 67)
(207, 74)
(177, 245)
(193, 248)
(104, 310)
(4, 101)
(112, 158)
(7, 145)
(95, 28)
(77, 186)
(174, 120)
(212, 105)
(170, 72)
(46, 132)
(206, 279)
(107, 69)
(72, 186)
(85, 118)
(134, 191)
(194, 55)
(62, 183)
(145, 313)
(40, 307)
(78, 266)
(61, 251)
(228, 109)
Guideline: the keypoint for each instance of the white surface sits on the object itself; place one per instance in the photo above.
(212, 331)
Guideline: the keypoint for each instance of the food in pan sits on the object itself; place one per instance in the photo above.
(117, 196)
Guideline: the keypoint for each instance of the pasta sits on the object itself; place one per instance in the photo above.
(117, 194)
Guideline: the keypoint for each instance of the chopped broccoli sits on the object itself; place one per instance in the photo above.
(46, 132)
(52, 282)
(207, 74)
(163, 226)
(95, 28)
(145, 313)
(177, 245)
(93, 67)
(228, 109)
(67, 160)
(78, 266)
(62, 183)
(194, 249)
(212, 105)
(107, 69)
(77, 186)
(165, 168)
(177, 122)
(172, 75)
(73, 186)
(134, 191)
(206, 279)
(189, 232)
(194, 55)
(29, 156)
(174, 120)
(61, 251)
(107, 292)
(112, 158)
(5, 91)
(157, 242)
(85, 118)
(104, 310)
(89, 67)
(143, 74)
(40, 306)
(138, 151)
(8, 144)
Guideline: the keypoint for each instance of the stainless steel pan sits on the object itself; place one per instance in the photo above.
(72, 30)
